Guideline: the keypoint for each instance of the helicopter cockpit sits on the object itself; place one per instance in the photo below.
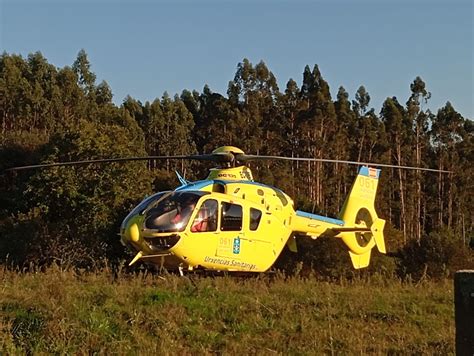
(171, 213)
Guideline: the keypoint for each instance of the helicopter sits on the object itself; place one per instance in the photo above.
(230, 222)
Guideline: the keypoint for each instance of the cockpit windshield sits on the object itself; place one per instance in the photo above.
(172, 212)
(140, 208)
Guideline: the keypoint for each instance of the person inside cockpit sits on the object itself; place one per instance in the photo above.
(206, 218)
(172, 213)
(184, 210)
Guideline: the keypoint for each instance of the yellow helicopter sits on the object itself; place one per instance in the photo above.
(229, 222)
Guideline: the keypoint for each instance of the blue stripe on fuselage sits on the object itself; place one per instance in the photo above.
(319, 217)
(195, 185)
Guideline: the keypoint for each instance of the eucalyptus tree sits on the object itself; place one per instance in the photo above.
(398, 134)
(463, 218)
(447, 133)
(44, 93)
(72, 104)
(220, 123)
(341, 149)
(366, 130)
(14, 91)
(82, 68)
(253, 91)
(316, 126)
(420, 119)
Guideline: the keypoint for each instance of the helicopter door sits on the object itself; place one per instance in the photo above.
(258, 231)
(231, 242)
(206, 217)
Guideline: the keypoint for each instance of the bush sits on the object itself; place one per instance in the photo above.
(324, 257)
(71, 215)
(436, 255)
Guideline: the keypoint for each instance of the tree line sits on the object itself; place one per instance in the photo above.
(51, 114)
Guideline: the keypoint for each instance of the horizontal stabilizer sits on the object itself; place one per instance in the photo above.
(350, 229)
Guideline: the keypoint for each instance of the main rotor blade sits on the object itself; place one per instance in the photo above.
(247, 158)
(215, 157)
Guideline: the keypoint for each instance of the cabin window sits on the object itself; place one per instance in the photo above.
(282, 197)
(255, 216)
(218, 188)
(206, 217)
(231, 219)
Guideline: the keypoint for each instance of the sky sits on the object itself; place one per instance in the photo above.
(143, 48)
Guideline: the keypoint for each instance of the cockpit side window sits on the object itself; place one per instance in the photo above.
(206, 217)
(231, 217)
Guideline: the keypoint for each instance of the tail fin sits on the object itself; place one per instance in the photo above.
(358, 214)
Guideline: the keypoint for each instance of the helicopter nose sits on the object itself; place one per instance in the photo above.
(131, 233)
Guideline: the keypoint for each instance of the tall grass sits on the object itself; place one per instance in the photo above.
(67, 312)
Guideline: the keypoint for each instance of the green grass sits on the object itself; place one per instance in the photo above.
(63, 312)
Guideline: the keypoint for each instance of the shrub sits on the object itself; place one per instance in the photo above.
(436, 255)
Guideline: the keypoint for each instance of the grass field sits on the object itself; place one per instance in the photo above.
(64, 312)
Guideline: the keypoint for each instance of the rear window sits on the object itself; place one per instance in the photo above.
(255, 217)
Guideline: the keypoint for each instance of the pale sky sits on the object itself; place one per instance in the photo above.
(143, 48)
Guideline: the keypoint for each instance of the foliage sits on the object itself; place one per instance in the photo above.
(86, 203)
(437, 255)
